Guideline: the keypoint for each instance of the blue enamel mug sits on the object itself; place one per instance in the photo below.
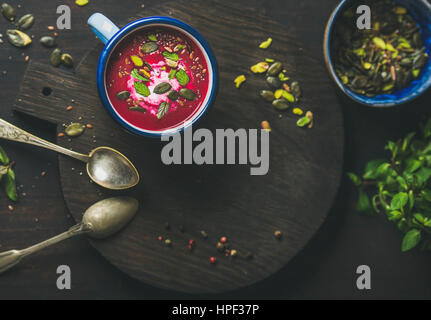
(420, 10)
(112, 36)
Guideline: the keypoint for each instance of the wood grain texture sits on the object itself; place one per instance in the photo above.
(295, 196)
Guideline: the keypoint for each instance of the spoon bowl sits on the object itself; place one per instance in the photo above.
(111, 169)
(101, 220)
(106, 217)
(105, 166)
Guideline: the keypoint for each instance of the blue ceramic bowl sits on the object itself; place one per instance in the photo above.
(420, 10)
(111, 35)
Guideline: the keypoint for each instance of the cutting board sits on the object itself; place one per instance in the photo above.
(179, 201)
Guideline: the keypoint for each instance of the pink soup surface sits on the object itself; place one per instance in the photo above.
(175, 51)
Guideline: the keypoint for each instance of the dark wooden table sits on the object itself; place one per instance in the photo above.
(326, 269)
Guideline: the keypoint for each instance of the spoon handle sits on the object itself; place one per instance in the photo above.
(10, 132)
(9, 259)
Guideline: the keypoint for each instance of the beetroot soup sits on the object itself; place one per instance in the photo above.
(157, 78)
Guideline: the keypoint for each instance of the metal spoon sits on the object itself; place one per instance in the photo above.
(105, 166)
(101, 220)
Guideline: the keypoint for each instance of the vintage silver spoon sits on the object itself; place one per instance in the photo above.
(105, 166)
(101, 220)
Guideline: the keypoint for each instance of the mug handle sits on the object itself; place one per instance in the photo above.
(104, 28)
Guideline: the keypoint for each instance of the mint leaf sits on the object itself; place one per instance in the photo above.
(10, 185)
(399, 201)
(182, 77)
(3, 157)
(171, 56)
(411, 240)
(355, 179)
(371, 167)
(363, 202)
(142, 89)
(163, 110)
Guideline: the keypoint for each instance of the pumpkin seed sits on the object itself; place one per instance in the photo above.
(296, 89)
(142, 89)
(18, 38)
(288, 96)
(267, 95)
(280, 104)
(162, 88)
(67, 60)
(173, 95)
(182, 77)
(152, 37)
(149, 47)
(137, 61)
(55, 57)
(140, 109)
(273, 82)
(298, 111)
(163, 110)
(8, 11)
(75, 129)
(48, 41)
(123, 95)
(275, 69)
(187, 94)
(25, 22)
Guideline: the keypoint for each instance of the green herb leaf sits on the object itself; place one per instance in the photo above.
(363, 202)
(3, 157)
(355, 179)
(152, 37)
(171, 56)
(142, 89)
(399, 201)
(163, 110)
(182, 77)
(10, 185)
(411, 240)
(394, 215)
(135, 74)
(371, 167)
(3, 170)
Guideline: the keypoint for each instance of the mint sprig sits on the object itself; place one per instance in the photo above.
(400, 187)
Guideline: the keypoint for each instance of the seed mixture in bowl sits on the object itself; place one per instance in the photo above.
(384, 59)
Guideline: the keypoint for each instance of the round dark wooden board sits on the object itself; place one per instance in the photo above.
(224, 200)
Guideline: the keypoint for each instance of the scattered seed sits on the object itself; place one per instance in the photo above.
(51, 28)
(278, 235)
(89, 126)
(223, 239)
(168, 242)
(204, 234)
(213, 260)
(265, 125)
(27, 59)
(69, 108)
(233, 253)
(43, 173)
